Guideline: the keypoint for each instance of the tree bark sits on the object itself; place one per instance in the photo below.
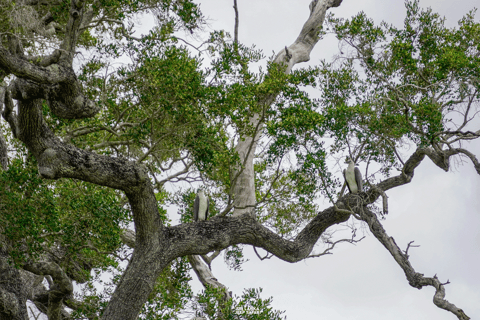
(244, 176)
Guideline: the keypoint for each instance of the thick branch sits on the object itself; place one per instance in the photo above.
(9, 114)
(52, 77)
(441, 159)
(3, 152)
(72, 32)
(3, 142)
(60, 160)
(60, 278)
(45, 61)
(299, 51)
(23, 69)
(221, 232)
(62, 286)
(203, 271)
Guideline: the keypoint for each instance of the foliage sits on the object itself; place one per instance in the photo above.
(172, 292)
(180, 112)
(248, 306)
(394, 85)
(39, 217)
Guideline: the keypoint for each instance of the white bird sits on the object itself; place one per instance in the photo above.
(353, 177)
(200, 206)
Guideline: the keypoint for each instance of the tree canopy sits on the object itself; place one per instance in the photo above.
(105, 132)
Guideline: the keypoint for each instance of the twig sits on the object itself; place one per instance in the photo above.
(267, 256)
(410, 246)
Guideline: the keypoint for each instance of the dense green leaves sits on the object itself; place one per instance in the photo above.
(171, 294)
(78, 223)
(399, 84)
(248, 306)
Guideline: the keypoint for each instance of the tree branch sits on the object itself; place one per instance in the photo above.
(470, 155)
(415, 279)
(243, 182)
(9, 114)
(235, 38)
(202, 269)
(23, 69)
(300, 50)
(206, 276)
(220, 232)
(62, 286)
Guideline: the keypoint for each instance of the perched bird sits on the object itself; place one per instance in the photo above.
(200, 206)
(353, 177)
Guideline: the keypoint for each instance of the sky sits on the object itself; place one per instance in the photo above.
(439, 210)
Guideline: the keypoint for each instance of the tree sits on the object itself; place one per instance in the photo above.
(110, 144)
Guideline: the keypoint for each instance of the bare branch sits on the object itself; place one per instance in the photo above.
(415, 279)
(235, 38)
(205, 275)
(208, 259)
(472, 157)
(333, 244)
(267, 256)
(410, 245)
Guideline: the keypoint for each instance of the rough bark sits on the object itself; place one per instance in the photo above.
(16, 286)
(61, 288)
(3, 143)
(56, 159)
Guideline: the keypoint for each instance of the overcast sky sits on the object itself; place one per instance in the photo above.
(440, 211)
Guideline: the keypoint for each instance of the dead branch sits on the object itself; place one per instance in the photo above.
(415, 279)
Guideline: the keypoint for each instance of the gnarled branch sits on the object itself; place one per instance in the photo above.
(415, 279)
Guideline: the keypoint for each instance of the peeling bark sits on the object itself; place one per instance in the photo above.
(206, 276)
(244, 181)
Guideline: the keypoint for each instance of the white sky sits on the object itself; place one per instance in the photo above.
(440, 211)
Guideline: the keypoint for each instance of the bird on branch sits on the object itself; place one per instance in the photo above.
(353, 177)
(200, 206)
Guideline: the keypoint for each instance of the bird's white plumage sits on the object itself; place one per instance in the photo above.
(350, 177)
(353, 177)
(202, 205)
